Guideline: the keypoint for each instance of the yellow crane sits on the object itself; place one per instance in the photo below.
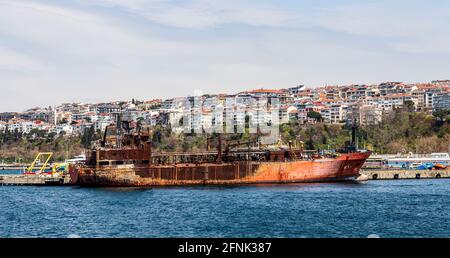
(41, 156)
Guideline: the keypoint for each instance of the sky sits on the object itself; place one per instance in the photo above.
(56, 51)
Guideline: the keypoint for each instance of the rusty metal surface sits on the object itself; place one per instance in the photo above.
(240, 172)
(125, 158)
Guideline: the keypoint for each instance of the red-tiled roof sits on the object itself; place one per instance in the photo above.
(397, 95)
(264, 91)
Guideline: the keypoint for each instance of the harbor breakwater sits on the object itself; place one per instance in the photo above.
(393, 174)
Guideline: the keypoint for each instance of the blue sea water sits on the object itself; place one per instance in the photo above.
(401, 208)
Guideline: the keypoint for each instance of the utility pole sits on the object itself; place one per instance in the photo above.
(417, 145)
(67, 149)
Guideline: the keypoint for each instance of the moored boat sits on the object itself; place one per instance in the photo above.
(344, 167)
(134, 164)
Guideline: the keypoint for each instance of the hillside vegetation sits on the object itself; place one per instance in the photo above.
(400, 132)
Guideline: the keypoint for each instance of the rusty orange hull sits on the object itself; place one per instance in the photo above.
(345, 167)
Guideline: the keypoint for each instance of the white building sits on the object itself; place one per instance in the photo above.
(441, 101)
(338, 113)
(67, 129)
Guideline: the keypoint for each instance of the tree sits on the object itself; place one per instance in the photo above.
(88, 136)
(409, 106)
(51, 136)
(442, 114)
(17, 135)
(36, 134)
(157, 137)
(7, 135)
(315, 115)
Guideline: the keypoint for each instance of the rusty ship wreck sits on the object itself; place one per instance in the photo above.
(127, 160)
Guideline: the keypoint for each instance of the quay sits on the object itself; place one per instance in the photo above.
(390, 174)
(36, 180)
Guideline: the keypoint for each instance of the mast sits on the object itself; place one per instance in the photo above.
(219, 149)
(354, 128)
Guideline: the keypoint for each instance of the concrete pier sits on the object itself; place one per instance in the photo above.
(34, 180)
(380, 174)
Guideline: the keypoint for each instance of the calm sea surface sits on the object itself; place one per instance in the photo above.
(407, 208)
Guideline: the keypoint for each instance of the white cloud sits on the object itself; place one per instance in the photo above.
(393, 19)
(15, 62)
(436, 45)
(76, 34)
(203, 13)
(374, 18)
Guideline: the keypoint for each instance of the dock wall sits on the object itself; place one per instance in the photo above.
(375, 174)
(34, 180)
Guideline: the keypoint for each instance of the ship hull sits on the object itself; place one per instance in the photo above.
(345, 167)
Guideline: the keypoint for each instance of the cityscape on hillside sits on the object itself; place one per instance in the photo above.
(224, 126)
(335, 104)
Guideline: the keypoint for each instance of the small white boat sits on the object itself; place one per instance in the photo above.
(77, 159)
(415, 165)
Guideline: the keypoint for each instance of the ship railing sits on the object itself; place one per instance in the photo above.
(238, 155)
